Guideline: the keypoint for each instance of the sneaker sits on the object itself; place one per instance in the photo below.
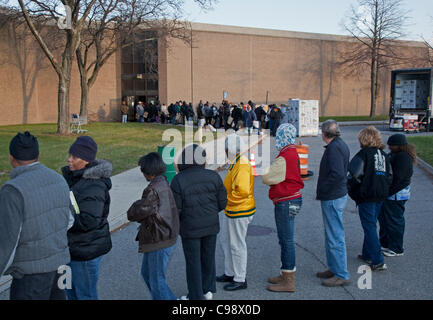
(390, 253)
(379, 267)
(360, 257)
(208, 296)
(184, 298)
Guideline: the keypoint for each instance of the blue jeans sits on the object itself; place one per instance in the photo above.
(368, 213)
(285, 213)
(153, 272)
(335, 243)
(84, 279)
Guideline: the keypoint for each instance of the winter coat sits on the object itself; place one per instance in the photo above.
(402, 171)
(89, 237)
(200, 195)
(158, 217)
(332, 182)
(370, 176)
(284, 176)
(248, 118)
(239, 183)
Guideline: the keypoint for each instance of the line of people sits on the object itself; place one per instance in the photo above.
(48, 220)
(225, 116)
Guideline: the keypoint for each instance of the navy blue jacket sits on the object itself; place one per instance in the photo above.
(332, 183)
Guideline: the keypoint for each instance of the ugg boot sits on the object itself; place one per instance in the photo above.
(276, 280)
(287, 284)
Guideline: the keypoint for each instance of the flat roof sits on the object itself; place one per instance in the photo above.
(205, 27)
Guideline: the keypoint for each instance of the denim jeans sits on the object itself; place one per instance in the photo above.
(392, 225)
(285, 213)
(335, 243)
(41, 286)
(84, 279)
(153, 272)
(368, 213)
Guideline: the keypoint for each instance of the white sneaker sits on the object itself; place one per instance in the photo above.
(184, 298)
(208, 296)
(390, 253)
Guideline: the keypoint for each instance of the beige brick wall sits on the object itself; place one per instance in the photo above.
(249, 62)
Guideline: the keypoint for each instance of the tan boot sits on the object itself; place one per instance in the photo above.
(276, 280)
(286, 285)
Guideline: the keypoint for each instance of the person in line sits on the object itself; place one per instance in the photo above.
(200, 195)
(124, 111)
(89, 237)
(237, 116)
(284, 178)
(207, 113)
(248, 118)
(34, 218)
(226, 115)
(239, 213)
(159, 226)
(260, 115)
(370, 178)
(332, 193)
(140, 111)
(275, 117)
(391, 218)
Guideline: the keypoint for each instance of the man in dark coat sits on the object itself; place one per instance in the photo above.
(200, 195)
(89, 237)
(332, 193)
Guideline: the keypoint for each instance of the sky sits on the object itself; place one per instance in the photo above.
(317, 16)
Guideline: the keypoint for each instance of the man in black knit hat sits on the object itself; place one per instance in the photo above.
(34, 219)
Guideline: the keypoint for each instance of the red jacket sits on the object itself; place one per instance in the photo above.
(290, 188)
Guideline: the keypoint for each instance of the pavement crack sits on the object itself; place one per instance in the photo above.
(324, 265)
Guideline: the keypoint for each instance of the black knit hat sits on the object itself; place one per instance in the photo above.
(84, 148)
(24, 147)
(397, 140)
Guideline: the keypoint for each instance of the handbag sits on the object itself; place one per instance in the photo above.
(255, 124)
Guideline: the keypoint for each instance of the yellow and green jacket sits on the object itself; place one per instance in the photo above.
(239, 184)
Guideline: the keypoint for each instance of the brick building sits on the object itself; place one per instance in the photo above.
(246, 63)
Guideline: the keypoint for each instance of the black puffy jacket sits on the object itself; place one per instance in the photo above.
(90, 237)
(370, 176)
(200, 195)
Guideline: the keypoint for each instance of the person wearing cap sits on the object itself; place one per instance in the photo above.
(239, 213)
(284, 179)
(391, 218)
(34, 219)
(89, 237)
(332, 193)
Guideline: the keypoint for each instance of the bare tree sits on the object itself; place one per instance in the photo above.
(113, 24)
(374, 26)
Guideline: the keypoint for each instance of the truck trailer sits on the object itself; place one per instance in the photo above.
(410, 104)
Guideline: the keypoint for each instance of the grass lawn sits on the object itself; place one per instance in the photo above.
(356, 118)
(121, 144)
(424, 147)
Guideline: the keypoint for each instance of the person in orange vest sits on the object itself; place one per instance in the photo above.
(284, 178)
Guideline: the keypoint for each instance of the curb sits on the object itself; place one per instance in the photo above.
(426, 167)
(360, 123)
